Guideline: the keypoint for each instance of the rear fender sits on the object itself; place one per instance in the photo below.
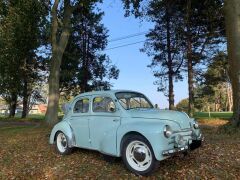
(64, 127)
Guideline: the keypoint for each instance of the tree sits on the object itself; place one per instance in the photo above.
(32, 15)
(61, 14)
(9, 78)
(232, 15)
(21, 22)
(216, 83)
(83, 67)
(200, 27)
(164, 44)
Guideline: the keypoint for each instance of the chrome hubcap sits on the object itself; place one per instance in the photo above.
(138, 155)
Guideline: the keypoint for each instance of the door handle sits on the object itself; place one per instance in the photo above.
(115, 120)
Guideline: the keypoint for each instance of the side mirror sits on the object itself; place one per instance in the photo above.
(156, 106)
(65, 108)
(112, 109)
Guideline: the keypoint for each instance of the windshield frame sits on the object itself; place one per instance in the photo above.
(140, 95)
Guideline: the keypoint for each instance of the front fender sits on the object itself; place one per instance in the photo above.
(64, 127)
(153, 132)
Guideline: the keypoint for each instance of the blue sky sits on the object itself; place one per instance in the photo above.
(134, 73)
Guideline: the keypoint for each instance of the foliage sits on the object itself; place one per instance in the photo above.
(25, 152)
(163, 44)
(214, 91)
(182, 105)
(84, 67)
(21, 66)
(195, 28)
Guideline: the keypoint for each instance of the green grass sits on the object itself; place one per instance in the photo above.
(213, 115)
(29, 117)
(33, 117)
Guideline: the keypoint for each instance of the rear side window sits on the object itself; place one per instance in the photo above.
(103, 104)
(81, 106)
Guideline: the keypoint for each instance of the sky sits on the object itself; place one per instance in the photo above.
(134, 73)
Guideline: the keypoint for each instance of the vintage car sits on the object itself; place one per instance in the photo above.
(125, 124)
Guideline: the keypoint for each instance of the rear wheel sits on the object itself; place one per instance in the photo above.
(138, 155)
(62, 144)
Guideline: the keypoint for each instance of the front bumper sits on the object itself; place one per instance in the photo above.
(174, 151)
(193, 143)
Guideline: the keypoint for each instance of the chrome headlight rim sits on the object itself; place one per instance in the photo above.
(167, 131)
(195, 125)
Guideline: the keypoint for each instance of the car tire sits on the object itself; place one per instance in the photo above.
(138, 156)
(195, 144)
(61, 144)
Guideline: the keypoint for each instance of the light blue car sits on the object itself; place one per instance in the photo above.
(125, 124)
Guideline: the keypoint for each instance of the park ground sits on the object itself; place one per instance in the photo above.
(26, 154)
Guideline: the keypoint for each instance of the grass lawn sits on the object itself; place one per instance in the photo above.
(26, 154)
(213, 115)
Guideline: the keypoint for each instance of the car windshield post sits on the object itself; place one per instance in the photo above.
(133, 100)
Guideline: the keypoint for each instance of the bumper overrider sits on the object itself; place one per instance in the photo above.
(181, 145)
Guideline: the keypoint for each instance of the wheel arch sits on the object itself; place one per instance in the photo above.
(65, 128)
(129, 134)
(152, 132)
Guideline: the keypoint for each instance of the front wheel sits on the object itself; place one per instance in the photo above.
(138, 155)
(62, 144)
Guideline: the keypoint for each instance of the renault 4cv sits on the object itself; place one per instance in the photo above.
(125, 124)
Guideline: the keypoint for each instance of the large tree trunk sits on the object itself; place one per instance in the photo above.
(232, 16)
(53, 96)
(12, 105)
(59, 43)
(25, 99)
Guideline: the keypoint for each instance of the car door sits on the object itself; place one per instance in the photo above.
(103, 124)
(80, 121)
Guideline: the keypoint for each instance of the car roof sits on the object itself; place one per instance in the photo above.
(103, 92)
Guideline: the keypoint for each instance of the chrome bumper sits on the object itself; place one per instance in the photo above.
(184, 148)
(174, 151)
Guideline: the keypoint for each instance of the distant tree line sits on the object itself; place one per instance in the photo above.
(213, 90)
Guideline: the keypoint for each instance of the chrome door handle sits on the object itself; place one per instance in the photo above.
(115, 120)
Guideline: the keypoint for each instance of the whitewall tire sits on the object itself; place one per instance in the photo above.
(138, 155)
(61, 143)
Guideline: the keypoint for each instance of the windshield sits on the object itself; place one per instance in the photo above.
(133, 100)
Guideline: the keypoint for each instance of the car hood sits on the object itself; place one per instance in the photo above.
(178, 117)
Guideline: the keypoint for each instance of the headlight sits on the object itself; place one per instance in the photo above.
(195, 125)
(167, 131)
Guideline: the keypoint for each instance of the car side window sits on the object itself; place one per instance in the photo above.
(81, 106)
(103, 104)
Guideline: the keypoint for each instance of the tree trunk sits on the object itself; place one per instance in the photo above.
(13, 105)
(25, 99)
(170, 64)
(53, 96)
(190, 80)
(59, 43)
(232, 16)
(190, 63)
